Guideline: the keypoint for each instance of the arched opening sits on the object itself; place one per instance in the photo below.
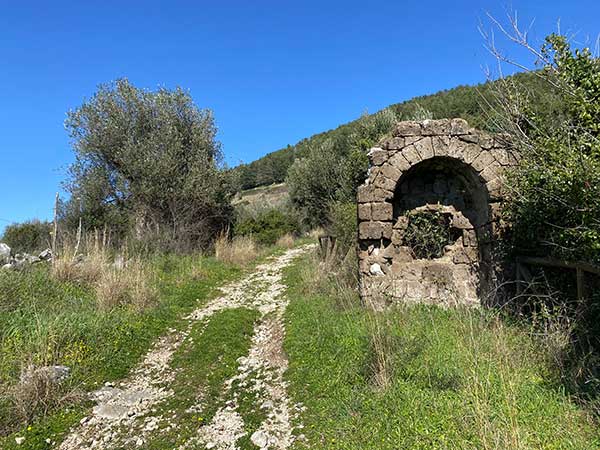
(443, 181)
(440, 224)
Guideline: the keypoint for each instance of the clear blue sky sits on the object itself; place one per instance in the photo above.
(273, 72)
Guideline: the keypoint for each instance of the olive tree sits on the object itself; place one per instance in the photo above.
(148, 162)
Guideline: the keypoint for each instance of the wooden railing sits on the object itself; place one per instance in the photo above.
(524, 276)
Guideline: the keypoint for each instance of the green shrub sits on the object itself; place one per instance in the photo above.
(31, 236)
(555, 192)
(266, 226)
(332, 168)
(343, 225)
(427, 233)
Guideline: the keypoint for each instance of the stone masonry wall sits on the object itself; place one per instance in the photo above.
(439, 166)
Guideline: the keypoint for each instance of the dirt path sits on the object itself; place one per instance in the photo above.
(128, 413)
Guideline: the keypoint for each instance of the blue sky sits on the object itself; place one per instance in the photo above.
(273, 72)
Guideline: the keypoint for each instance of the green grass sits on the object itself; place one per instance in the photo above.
(208, 358)
(49, 322)
(452, 379)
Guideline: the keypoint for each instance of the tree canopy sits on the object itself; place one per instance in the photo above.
(147, 160)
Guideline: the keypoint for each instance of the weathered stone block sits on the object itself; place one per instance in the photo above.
(374, 230)
(436, 127)
(386, 230)
(484, 159)
(440, 274)
(401, 223)
(364, 211)
(469, 238)
(494, 170)
(378, 156)
(411, 155)
(391, 172)
(425, 148)
(382, 211)
(398, 253)
(385, 183)
(458, 127)
(370, 193)
(411, 140)
(495, 188)
(471, 152)
(461, 222)
(399, 162)
(364, 194)
(393, 143)
(456, 147)
(441, 145)
(408, 128)
(470, 138)
(369, 230)
(486, 141)
(397, 237)
(465, 255)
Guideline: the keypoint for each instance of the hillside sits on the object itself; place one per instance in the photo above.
(472, 103)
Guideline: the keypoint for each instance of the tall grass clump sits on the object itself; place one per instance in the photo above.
(286, 241)
(239, 250)
(115, 279)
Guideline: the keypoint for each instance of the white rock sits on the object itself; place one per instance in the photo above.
(4, 253)
(19, 440)
(375, 269)
(46, 255)
(259, 438)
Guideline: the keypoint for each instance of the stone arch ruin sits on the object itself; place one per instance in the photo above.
(440, 174)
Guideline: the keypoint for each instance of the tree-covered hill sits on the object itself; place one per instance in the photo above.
(476, 104)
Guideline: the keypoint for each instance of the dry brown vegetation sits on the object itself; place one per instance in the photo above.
(116, 280)
(239, 250)
(286, 241)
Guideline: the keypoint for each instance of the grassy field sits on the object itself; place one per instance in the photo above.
(421, 377)
(44, 321)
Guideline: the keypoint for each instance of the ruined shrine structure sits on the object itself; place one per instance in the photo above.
(455, 174)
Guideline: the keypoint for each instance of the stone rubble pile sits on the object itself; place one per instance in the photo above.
(8, 261)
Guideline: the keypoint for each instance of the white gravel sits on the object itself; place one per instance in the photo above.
(127, 413)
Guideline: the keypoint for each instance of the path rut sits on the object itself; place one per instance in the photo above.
(127, 414)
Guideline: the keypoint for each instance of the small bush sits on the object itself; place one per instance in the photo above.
(37, 393)
(239, 250)
(266, 226)
(29, 237)
(343, 225)
(428, 232)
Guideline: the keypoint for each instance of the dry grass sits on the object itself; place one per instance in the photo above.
(286, 241)
(131, 285)
(240, 250)
(37, 393)
(316, 232)
(116, 281)
(382, 350)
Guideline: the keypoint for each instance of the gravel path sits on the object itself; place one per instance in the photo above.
(128, 413)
